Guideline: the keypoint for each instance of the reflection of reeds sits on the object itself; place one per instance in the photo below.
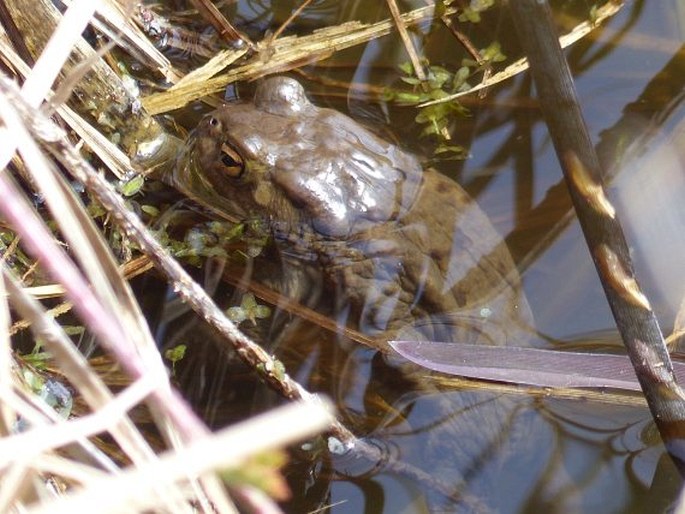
(39, 448)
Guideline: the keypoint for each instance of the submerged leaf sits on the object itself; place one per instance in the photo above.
(530, 366)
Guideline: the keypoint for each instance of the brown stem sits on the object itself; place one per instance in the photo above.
(226, 31)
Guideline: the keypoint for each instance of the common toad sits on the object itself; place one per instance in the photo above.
(410, 253)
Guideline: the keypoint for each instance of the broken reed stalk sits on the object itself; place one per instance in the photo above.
(633, 315)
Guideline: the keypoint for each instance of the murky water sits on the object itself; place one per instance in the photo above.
(496, 451)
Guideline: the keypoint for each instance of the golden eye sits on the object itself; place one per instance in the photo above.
(232, 162)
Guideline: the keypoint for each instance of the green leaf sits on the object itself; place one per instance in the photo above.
(388, 95)
(493, 53)
(236, 314)
(248, 309)
(452, 152)
(405, 97)
(95, 209)
(439, 76)
(411, 80)
(150, 210)
(407, 68)
(460, 77)
(131, 187)
(73, 330)
(469, 15)
(430, 130)
(175, 355)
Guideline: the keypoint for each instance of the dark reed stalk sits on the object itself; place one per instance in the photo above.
(602, 230)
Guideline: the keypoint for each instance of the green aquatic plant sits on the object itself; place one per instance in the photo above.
(472, 12)
(175, 355)
(131, 186)
(435, 119)
(438, 119)
(248, 309)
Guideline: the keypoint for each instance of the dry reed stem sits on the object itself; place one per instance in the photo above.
(75, 366)
(111, 156)
(217, 63)
(115, 22)
(108, 308)
(50, 63)
(228, 448)
(281, 55)
(6, 414)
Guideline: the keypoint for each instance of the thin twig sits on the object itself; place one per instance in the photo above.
(290, 19)
(406, 40)
(462, 38)
(226, 31)
(7, 415)
(472, 50)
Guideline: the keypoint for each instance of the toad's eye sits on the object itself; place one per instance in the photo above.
(231, 161)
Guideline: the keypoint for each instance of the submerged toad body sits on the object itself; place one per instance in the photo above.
(406, 248)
